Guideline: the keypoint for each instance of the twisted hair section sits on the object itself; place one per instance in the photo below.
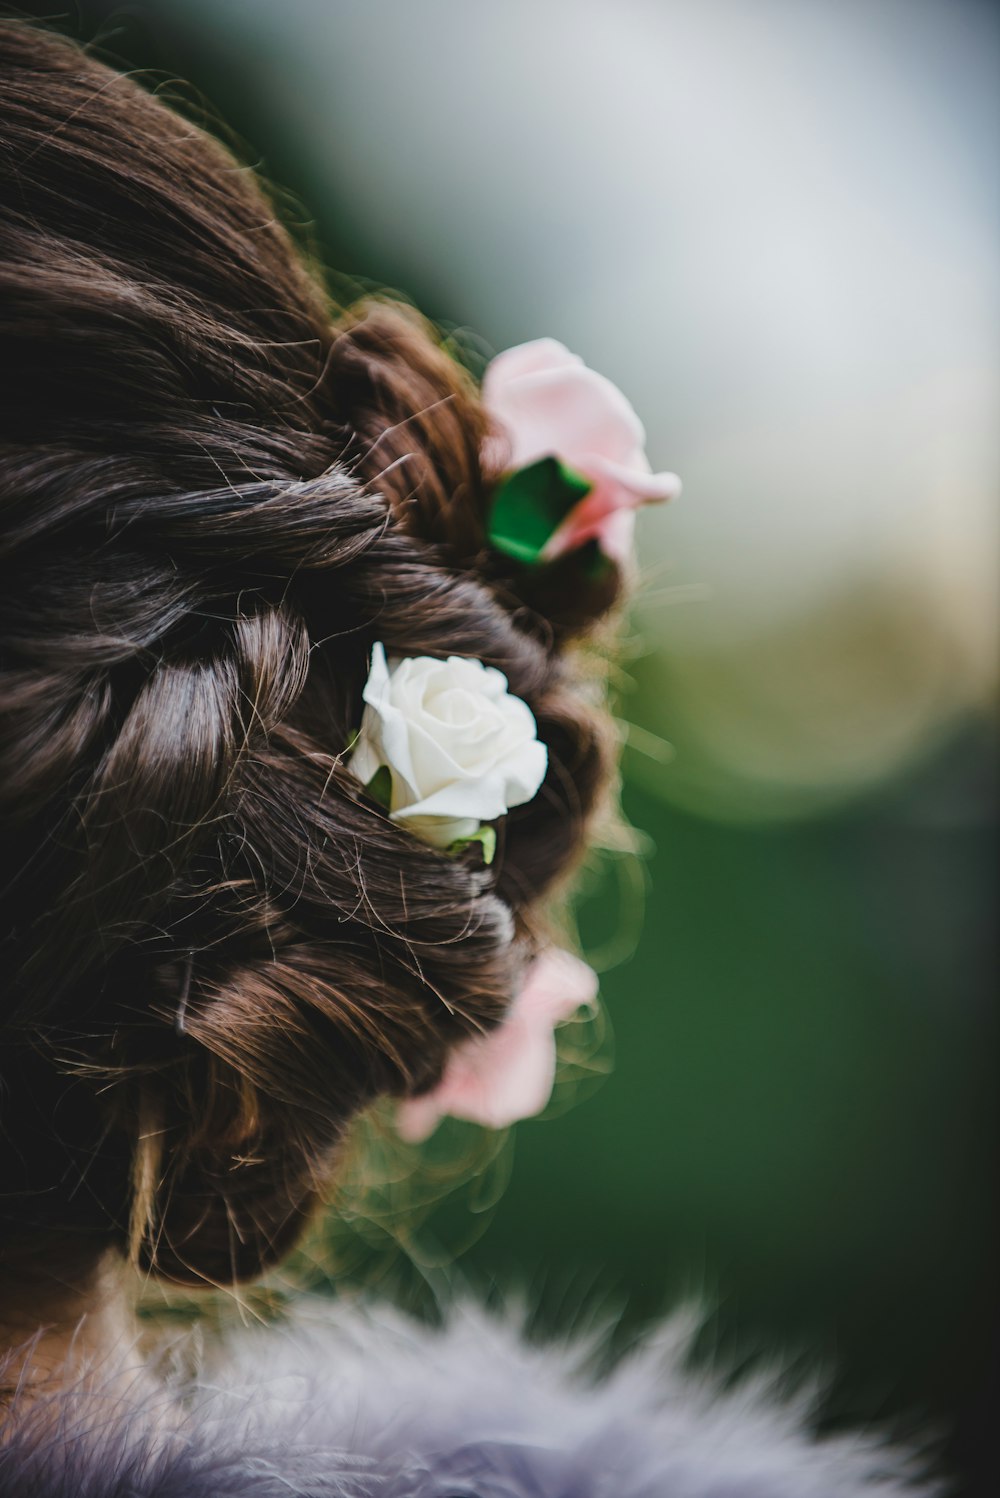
(216, 494)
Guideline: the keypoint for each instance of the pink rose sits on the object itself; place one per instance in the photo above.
(497, 1078)
(545, 402)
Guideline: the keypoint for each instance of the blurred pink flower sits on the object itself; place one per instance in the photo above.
(545, 402)
(497, 1078)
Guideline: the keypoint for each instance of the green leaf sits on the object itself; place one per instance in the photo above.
(530, 504)
(486, 836)
(380, 786)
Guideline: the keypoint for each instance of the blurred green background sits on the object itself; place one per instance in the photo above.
(776, 225)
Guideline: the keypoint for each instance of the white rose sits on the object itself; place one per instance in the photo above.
(460, 748)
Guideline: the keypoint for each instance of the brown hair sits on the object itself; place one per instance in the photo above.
(216, 948)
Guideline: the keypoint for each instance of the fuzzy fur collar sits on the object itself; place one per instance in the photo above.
(351, 1405)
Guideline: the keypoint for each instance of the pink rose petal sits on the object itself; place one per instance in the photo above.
(545, 402)
(568, 412)
(526, 358)
(606, 514)
(507, 1075)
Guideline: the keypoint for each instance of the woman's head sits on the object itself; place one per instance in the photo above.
(216, 497)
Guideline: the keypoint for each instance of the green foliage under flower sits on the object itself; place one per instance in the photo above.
(530, 504)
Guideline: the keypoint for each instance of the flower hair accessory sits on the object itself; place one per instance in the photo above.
(578, 467)
(507, 1075)
(446, 747)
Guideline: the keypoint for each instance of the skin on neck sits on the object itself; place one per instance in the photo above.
(56, 1329)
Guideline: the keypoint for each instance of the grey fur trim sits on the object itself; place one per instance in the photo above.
(335, 1405)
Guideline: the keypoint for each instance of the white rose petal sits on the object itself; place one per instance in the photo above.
(461, 749)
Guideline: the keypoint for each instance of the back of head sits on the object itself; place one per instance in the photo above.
(216, 496)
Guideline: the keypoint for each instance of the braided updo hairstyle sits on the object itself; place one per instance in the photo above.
(216, 495)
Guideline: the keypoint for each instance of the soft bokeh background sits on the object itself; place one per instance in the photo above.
(775, 223)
